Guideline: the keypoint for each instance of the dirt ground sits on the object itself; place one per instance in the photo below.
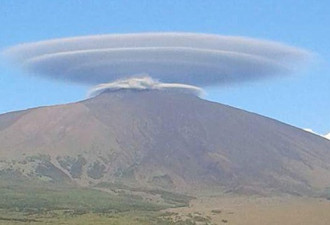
(259, 210)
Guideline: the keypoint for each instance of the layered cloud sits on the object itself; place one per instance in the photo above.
(143, 83)
(185, 58)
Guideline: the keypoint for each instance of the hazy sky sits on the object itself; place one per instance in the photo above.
(301, 99)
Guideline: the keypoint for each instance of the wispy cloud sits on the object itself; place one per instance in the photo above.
(143, 83)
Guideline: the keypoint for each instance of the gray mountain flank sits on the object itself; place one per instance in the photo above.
(163, 140)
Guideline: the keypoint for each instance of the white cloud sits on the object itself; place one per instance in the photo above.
(143, 83)
(327, 136)
(194, 59)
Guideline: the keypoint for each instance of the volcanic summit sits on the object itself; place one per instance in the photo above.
(162, 139)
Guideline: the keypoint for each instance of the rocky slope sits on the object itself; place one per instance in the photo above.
(163, 140)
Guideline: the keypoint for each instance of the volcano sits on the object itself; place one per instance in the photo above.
(163, 140)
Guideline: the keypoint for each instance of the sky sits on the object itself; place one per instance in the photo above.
(301, 99)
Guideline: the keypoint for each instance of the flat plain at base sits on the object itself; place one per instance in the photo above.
(259, 210)
(203, 211)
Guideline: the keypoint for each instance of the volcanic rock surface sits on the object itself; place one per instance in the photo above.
(164, 140)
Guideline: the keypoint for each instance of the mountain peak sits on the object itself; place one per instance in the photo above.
(165, 139)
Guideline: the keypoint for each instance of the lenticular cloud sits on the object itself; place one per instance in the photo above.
(186, 58)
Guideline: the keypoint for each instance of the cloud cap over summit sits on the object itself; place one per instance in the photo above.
(194, 59)
(143, 83)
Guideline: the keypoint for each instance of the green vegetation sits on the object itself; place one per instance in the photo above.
(48, 196)
(38, 196)
(32, 201)
(170, 198)
(47, 169)
(179, 200)
(216, 211)
(65, 218)
(73, 165)
(71, 198)
(96, 171)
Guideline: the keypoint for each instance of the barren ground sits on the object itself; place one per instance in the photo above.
(259, 211)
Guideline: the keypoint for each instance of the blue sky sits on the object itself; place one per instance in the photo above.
(301, 99)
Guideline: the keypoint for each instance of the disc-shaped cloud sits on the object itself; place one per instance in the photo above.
(195, 59)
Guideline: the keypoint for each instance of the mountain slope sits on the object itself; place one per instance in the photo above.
(168, 140)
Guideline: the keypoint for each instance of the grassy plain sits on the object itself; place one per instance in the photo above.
(60, 217)
(38, 202)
